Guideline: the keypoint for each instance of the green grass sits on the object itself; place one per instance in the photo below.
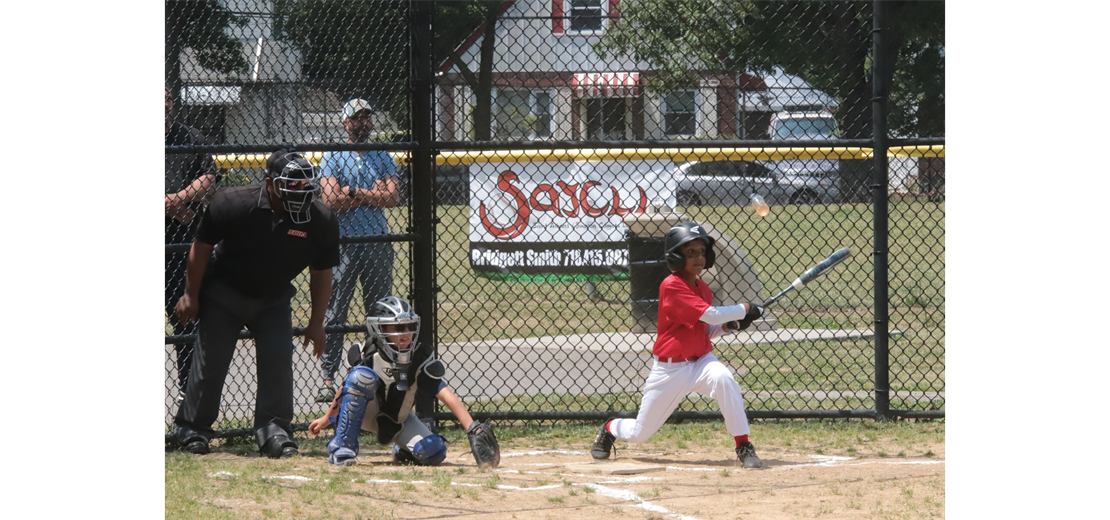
(780, 247)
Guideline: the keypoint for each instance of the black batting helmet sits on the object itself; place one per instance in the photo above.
(681, 234)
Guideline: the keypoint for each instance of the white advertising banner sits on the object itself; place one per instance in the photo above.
(530, 219)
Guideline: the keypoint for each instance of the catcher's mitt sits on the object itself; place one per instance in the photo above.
(483, 444)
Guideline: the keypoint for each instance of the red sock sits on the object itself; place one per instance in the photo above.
(609, 427)
(741, 438)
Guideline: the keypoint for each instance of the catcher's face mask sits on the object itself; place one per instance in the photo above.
(393, 327)
(394, 335)
(400, 335)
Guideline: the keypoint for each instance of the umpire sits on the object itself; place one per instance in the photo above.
(262, 236)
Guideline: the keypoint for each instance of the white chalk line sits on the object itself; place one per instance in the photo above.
(630, 496)
(832, 461)
(542, 452)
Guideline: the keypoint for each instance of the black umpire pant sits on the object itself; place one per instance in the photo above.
(224, 311)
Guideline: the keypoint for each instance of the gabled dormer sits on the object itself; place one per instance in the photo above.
(583, 17)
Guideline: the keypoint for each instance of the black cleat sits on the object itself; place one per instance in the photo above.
(402, 456)
(746, 454)
(289, 451)
(196, 446)
(603, 445)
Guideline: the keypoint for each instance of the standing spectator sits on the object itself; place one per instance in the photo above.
(263, 236)
(358, 185)
(189, 178)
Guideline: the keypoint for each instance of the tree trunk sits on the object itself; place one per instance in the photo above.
(483, 91)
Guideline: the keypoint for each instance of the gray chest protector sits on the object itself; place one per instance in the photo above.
(395, 405)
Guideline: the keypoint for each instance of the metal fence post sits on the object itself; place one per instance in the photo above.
(881, 60)
(423, 216)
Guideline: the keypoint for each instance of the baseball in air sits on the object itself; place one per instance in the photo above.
(760, 206)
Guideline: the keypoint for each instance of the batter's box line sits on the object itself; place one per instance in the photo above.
(612, 479)
(466, 456)
(630, 496)
(833, 461)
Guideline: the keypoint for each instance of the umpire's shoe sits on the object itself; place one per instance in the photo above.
(275, 443)
(746, 454)
(603, 445)
(197, 446)
(190, 441)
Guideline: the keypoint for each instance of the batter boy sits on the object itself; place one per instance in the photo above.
(684, 362)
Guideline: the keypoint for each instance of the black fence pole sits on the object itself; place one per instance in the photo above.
(423, 253)
(881, 61)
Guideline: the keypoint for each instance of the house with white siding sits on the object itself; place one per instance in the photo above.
(549, 83)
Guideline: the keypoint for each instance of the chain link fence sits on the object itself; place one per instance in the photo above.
(542, 148)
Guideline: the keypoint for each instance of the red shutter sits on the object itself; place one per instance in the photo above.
(557, 16)
(614, 10)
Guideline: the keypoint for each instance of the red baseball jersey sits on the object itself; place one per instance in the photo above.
(681, 333)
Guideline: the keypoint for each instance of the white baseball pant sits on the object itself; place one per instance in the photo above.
(669, 383)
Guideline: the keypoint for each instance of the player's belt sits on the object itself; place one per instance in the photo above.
(677, 359)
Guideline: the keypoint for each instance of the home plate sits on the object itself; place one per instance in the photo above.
(611, 468)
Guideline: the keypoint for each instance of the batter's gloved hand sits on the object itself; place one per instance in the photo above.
(483, 444)
(755, 311)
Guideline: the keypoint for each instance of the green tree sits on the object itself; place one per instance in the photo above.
(356, 48)
(826, 43)
(201, 25)
(455, 21)
(361, 47)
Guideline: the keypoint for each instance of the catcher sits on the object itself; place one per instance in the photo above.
(380, 389)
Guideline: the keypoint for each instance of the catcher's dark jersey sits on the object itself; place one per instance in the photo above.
(425, 374)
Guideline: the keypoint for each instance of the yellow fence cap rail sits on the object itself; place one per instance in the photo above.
(641, 154)
(226, 161)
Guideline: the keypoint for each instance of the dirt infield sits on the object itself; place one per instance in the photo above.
(696, 483)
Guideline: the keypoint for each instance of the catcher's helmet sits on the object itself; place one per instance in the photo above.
(392, 310)
(681, 234)
(295, 182)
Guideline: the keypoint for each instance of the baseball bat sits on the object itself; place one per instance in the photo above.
(812, 273)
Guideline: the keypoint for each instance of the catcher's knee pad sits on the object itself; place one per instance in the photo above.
(363, 380)
(430, 450)
(358, 390)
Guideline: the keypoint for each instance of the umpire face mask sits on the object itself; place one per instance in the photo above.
(297, 186)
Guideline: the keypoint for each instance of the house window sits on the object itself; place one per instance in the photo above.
(586, 16)
(521, 114)
(679, 116)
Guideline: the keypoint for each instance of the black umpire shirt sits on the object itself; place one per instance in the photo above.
(259, 251)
